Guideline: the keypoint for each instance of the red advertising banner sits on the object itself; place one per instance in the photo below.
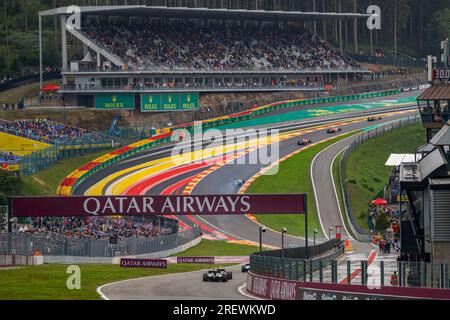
(158, 205)
(143, 263)
(284, 289)
(209, 260)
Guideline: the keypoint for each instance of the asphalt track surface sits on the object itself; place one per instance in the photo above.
(220, 181)
(180, 286)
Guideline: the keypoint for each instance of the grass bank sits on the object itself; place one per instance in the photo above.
(340, 195)
(366, 173)
(48, 282)
(46, 182)
(293, 177)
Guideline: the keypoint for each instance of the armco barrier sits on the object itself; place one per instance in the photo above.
(72, 180)
(62, 246)
(293, 263)
(283, 289)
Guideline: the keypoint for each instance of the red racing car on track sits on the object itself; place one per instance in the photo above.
(333, 130)
(303, 142)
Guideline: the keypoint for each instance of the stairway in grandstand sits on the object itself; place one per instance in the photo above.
(96, 47)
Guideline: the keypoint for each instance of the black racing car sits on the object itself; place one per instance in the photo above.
(218, 275)
(246, 267)
(303, 142)
(374, 118)
(333, 130)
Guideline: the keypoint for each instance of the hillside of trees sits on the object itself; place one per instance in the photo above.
(420, 26)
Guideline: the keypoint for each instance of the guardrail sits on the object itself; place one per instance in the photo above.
(13, 260)
(172, 70)
(26, 245)
(360, 233)
(181, 88)
(355, 280)
(293, 263)
(28, 79)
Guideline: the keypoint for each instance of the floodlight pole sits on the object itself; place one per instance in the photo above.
(40, 54)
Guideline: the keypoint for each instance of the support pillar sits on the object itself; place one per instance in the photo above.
(315, 22)
(99, 61)
(355, 29)
(40, 54)
(340, 28)
(64, 44)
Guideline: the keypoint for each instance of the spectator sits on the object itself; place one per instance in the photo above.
(49, 131)
(99, 227)
(394, 279)
(191, 46)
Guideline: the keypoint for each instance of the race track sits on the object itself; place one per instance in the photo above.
(154, 172)
(180, 286)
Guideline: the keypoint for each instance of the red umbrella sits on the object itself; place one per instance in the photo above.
(51, 87)
(379, 202)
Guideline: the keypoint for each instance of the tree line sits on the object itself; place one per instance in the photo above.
(414, 27)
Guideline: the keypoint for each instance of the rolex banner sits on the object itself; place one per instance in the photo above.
(169, 101)
(114, 101)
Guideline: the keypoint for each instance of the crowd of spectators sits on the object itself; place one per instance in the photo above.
(194, 46)
(5, 79)
(46, 130)
(98, 227)
(436, 112)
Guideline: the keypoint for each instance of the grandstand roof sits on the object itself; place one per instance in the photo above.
(142, 10)
(436, 92)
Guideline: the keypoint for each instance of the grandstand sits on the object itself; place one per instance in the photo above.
(48, 131)
(134, 52)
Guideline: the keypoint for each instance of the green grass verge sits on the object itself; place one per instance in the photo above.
(46, 182)
(293, 177)
(48, 282)
(366, 173)
(218, 248)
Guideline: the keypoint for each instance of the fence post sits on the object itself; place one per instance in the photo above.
(363, 273)
(349, 272)
(310, 271)
(382, 273)
(304, 270)
(333, 271)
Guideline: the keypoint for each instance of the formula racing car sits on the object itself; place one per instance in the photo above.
(218, 275)
(333, 130)
(303, 142)
(238, 182)
(374, 118)
(246, 267)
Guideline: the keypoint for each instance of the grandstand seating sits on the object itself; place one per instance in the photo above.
(101, 227)
(189, 45)
(47, 131)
